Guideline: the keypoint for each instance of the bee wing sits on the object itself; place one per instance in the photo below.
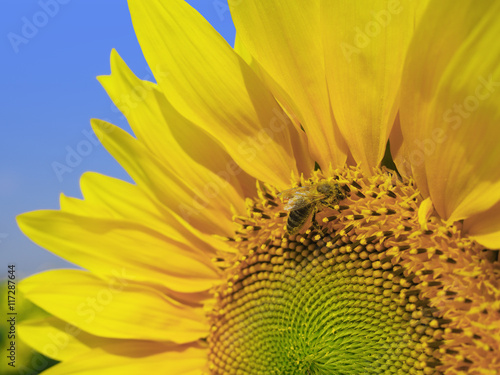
(296, 203)
(285, 195)
(299, 197)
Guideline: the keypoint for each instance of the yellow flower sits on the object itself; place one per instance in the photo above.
(191, 269)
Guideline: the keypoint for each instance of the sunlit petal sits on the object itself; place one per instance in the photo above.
(200, 74)
(172, 190)
(183, 148)
(365, 46)
(451, 107)
(485, 227)
(286, 41)
(114, 309)
(58, 339)
(132, 358)
(135, 251)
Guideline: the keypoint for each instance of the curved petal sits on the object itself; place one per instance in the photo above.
(303, 158)
(107, 197)
(58, 339)
(244, 53)
(136, 252)
(183, 148)
(77, 206)
(286, 42)
(122, 200)
(485, 227)
(209, 84)
(114, 309)
(450, 108)
(136, 357)
(365, 45)
(110, 198)
(201, 208)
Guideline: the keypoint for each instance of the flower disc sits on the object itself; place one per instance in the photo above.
(349, 300)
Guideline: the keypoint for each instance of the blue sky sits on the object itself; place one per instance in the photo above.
(51, 51)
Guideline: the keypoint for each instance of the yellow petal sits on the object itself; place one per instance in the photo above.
(485, 227)
(200, 208)
(58, 339)
(183, 148)
(77, 206)
(365, 45)
(107, 197)
(286, 42)
(424, 212)
(135, 251)
(114, 308)
(244, 53)
(450, 107)
(209, 84)
(136, 357)
(122, 200)
(299, 141)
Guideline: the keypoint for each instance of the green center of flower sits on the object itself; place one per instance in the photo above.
(344, 296)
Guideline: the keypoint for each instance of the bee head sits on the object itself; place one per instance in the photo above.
(325, 188)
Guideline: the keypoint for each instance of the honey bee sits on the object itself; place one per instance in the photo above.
(306, 200)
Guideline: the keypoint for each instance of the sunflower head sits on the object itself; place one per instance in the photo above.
(340, 296)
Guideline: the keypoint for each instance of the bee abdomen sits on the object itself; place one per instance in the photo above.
(297, 218)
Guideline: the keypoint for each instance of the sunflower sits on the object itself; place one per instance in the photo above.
(262, 234)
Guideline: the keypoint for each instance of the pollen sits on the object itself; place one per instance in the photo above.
(368, 289)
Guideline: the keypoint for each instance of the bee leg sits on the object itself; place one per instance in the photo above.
(314, 222)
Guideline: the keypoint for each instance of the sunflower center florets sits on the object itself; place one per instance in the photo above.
(332, 288)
